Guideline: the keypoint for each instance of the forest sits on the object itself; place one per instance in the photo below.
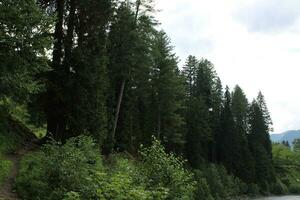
(95, 105)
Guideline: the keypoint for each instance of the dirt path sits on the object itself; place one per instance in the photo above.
(7, 190)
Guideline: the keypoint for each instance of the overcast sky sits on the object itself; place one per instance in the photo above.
(253, 43)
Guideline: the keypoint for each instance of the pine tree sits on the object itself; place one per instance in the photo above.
(189, 72)
(215, 116)
(203, 103)
(267, 122)
(227, 140)
(260, 143)
(245, 168)
(75, 100)
(88, 76)
(198, 132)
(130, 39)
(167, 92)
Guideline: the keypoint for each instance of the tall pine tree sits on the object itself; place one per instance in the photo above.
(245, 168)
(75, 101)
(260, 143)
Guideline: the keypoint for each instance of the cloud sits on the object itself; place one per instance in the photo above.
(271, 16)
(228, 33)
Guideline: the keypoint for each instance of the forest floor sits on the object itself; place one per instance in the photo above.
(7, 189)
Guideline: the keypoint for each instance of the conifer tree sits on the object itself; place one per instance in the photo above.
(198, 132)
(215, 116)
(267, 122)
(259, 142)
(130, 62)
(75, 100)
(189, 72)
(121, 50)
(227, 140)
(245, 168)
(167, 91)
(201, 103)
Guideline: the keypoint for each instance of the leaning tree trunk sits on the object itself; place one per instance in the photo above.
(138, 4)
(117, 113)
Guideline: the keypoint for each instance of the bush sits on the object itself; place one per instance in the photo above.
(72, 196)
(122, 181)
(7, 142)
(165, 171)
(253, 190)
(278, 188)
(75, 171)
(294, 188)
(203, 191)
(57, 170)
(221, 184)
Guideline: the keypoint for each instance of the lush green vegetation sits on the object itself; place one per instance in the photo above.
(5, 167)
(76, 170)
(98, 78)
(6, 145)
(286, 162)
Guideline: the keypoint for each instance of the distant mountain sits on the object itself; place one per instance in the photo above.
(289, 136)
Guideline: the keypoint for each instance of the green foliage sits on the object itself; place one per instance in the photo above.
(203, 191)
(294, 189)
(57, 170)
(162, 169)
(260, 144)
(253, 190)
(5, 169)
(296, 144)
(79, 71)
(112, 75)
(7, 143)
(167, 90)
(123, 181)
(72, 196)
(75, 171)
(286, 164)
(203, 102)
(278, 188)
(220, 184)
(25, 38)
(20, 112)
(244, 162)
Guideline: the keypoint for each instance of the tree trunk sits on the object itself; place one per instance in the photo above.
(53, 106)
(117, 114)
(158, 123)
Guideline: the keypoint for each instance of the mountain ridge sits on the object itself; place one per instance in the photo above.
(289, 136)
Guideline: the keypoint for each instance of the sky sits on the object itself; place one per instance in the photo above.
(252, 43)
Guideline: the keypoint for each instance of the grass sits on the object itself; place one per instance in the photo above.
(5, 166)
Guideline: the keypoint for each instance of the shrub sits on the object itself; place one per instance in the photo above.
(122, 182)
(278, 188)
(72, 196)
(214, 182)
(203, 191)
(294, 188)
(253, 190)
(59, 169)
(75, 171)
(165, 171)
